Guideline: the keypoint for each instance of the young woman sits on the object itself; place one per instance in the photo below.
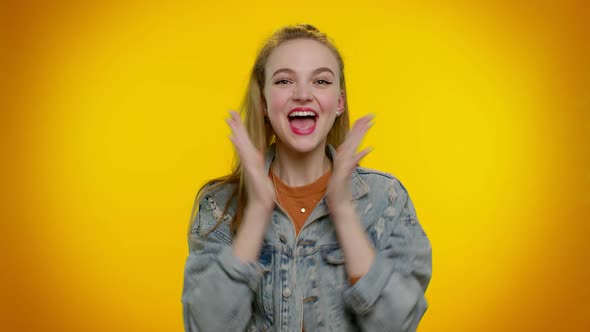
(298, 236)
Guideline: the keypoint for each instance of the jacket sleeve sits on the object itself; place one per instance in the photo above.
(390, 296)
(218, 288)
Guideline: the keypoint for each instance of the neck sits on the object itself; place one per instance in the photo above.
(299, 169)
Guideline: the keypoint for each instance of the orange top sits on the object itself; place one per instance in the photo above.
(300, 201)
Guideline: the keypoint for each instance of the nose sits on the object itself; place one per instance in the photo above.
(302, 92)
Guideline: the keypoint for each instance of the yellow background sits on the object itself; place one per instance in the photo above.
(113, 118)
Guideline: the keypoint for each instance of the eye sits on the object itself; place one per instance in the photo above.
(323, 82)
(282, 82)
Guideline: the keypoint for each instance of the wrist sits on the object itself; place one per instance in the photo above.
(338, 200)
(259, 210)
(342, 212)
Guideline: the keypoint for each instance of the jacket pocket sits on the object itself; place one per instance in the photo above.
(264, 295)
(334, 283)
(333, 255)
(333, 270)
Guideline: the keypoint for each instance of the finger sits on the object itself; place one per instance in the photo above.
(364, 119)
(233, 125)
(234, 120)
(242, 142)
(361, 126)
(367, 118)
(239, 148)
(233, 141)
(231, 122)
(240, 133)
(236, 137)
(357, 133)
(363, 123)
(359, 156)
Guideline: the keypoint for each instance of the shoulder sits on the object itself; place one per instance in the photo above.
(370, 172)
(386, 206)
(381, 183)
(216, 194)
(214, 198)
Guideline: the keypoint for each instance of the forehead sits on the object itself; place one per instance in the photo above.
(301, 55)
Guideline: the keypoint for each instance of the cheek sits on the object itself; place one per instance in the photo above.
(276, 99)
(329, 101)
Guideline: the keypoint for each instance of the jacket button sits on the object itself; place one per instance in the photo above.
(283, 238)
(286, 292)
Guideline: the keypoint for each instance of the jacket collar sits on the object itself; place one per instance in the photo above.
(359, 187)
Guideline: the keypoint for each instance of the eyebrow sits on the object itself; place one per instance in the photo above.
(291, 71)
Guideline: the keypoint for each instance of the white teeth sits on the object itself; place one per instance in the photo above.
(302, 113)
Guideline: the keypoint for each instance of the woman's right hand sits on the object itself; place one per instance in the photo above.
(259, 187)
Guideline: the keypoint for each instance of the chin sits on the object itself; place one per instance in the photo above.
(303, 145)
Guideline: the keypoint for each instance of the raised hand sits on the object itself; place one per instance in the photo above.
(259, 188)
(339, 194)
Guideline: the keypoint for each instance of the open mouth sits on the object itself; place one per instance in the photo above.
(302, 122)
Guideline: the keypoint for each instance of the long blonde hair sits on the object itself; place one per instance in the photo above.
(259, 130)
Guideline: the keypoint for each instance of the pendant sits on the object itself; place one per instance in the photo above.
(302, 210)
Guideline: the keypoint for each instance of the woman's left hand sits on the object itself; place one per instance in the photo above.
(339, 194)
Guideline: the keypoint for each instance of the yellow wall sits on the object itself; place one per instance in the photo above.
(114, 118)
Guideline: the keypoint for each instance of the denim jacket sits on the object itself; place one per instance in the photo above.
(304, 276)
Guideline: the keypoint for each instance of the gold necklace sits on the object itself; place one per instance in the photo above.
(272, 174)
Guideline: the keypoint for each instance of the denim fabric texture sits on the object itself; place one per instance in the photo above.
(304, 276)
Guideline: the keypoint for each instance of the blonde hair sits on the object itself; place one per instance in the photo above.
(259, 130)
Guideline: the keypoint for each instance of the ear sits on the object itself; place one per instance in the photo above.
(340, 104)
